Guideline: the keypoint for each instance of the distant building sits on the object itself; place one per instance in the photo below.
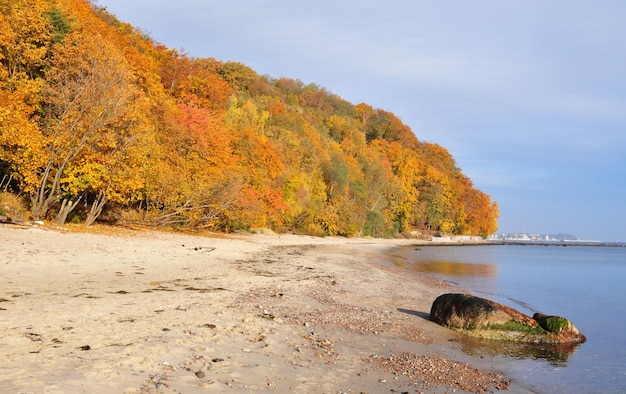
(529, 237)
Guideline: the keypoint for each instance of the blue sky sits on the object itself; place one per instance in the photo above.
(528, 96)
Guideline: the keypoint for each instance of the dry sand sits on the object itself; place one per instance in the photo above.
(155, 312)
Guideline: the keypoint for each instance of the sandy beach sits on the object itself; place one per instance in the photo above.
(139, 311)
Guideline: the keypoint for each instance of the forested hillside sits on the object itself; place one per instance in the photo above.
(98, 122)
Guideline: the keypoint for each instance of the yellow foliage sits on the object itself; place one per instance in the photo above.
(21, 143)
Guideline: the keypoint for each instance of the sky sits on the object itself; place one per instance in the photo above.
(529, 96)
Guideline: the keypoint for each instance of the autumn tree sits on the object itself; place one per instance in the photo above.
(21, 146)
(88, 88)
(364, 112)
(25, 37)
(24, 42)
(196, 81)
(240, 77)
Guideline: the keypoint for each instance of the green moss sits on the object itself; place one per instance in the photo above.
(514, 326)
(556, 324)
(516, 331)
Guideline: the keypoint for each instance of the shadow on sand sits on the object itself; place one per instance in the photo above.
(423, 315)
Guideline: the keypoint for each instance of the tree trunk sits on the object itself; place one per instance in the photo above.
(67, 206)
(8, 181)
(95, 210)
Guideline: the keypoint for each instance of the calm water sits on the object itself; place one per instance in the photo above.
(585, 284)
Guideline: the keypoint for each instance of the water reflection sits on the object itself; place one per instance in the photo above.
(555, 355)
(429, 260)
(451, 268)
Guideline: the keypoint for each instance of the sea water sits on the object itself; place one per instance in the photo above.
(586, 284)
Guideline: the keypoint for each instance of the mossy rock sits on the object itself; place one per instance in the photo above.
(554, 324)
(479, 317)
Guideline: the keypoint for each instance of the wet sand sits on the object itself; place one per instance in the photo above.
(138, 311)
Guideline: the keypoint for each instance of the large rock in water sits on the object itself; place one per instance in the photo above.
(480, 317)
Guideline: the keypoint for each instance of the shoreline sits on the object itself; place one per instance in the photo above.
(150, 312)
(599, 244)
